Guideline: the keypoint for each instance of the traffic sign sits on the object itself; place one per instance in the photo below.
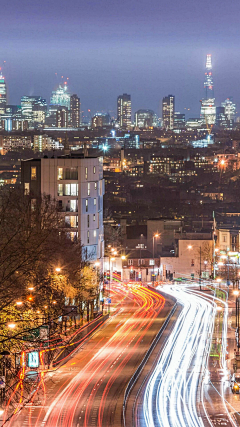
(109, 300)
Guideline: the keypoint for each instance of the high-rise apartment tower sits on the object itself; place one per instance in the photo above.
(124, 111)
(168, 109)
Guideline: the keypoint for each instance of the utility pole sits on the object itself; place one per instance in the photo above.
(200, 272)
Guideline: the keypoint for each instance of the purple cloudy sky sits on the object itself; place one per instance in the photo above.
(148, 48)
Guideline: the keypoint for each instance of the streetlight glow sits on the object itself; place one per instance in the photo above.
(235, 293)
(31, 289)
(11, 325)
(58, 269)
(189, 247)
(19, 303)
(123, 257)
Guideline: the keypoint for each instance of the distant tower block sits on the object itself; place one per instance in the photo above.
(208, 108)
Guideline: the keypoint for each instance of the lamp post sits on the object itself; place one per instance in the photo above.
(109, 288)
(154, 236)
(96, 265)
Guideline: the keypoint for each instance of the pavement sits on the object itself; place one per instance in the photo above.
(88, 389)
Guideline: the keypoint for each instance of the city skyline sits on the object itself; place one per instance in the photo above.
(59, 79)
(106, 51)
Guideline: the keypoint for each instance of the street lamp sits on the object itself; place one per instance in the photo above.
(11, 325)
(236, 293)
(155, 236)
(109, 287)
(58, 269)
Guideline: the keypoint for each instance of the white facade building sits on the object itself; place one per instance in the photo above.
(77, 184)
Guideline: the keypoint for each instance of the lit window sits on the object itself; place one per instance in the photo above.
(94, 169)
(73, 189)
(95, 185)
(94, 233)
(73, 221)
(60, 189)
(94, 217)
(26, 188)
(33, 173)
(33, 204)
(67, 190)
(151, 262)
(88, 234)
(88, 190)
(60, 173)
(86, 173)
(86, 205)
(95, 201)
(130, 261)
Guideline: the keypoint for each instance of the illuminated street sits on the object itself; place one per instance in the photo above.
(88, 389)
(180, 390)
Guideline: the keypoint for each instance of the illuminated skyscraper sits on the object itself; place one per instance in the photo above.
(34, 109)
(145, 119)
(229, 110)
(75, 111)
(124, 111)
(3, 94)
(168, 109)
(208, 109)
(61, 96)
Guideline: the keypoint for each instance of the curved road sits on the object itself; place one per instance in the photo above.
(88, 390)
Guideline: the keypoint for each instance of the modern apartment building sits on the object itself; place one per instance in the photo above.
(77, 183)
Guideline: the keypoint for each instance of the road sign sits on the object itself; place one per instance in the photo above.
(109, 300)
(33, 359)
(2, 381)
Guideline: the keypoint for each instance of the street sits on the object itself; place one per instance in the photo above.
(88, 389)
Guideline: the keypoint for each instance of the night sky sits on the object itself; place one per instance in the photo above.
(148, 48)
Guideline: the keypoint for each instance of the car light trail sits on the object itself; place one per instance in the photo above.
(171, 392)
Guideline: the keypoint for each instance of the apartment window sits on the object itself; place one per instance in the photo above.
(95, 201)
(224, 238)
(60, 205)
(60, 173)
(94, 169)
(73, 205)
(86, 205)
(95, 185)
(33, 204)
(94, 217)
(88, 221)
(94, 233)
(33, 173)
(73, 221)
(26, 188)
(67, 190)
(151, 262)
(88, 189)
(88, 234)
(60, 189)
(86, 173)
(73, 189)
(140, 261)
(130, 261)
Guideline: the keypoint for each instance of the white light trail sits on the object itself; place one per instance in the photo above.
(171, 393)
